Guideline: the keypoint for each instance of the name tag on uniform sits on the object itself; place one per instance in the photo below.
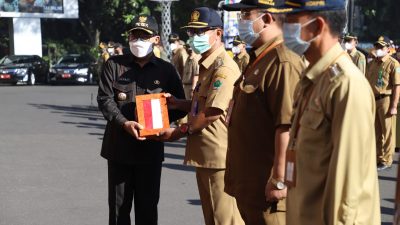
(290, 173)
(229, 113)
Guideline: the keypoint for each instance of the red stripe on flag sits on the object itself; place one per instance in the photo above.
(148, 117)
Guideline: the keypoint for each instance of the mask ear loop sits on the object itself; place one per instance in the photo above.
(308, 23)
(262, 30)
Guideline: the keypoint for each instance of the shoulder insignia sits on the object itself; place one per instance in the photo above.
(218, 75)
(218, 63)
(335, 70)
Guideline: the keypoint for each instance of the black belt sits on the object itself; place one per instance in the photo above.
(379, 97)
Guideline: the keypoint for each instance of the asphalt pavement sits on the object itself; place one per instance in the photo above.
(51, 172)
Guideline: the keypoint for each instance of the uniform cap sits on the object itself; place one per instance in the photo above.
(383, 41)
(173, 37)
(349, 37)
(146, 23)
(237, 41)
(204, 17)
(251, 4)
(294, 6)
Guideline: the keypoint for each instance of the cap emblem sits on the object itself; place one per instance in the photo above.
(315, 3)
(195, 16)
(142, 19)
(381, 38)
(267, 2)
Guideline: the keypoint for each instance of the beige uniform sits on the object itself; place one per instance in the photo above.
(358, 59)
(242, 60)
(262, 102)
(383, 74)
(333, 137)
(179, 57)
(190, 70)
(206, 150)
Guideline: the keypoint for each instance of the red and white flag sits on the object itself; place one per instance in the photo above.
(152, 114)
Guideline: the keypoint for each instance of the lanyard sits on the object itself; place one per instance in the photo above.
(272, 46)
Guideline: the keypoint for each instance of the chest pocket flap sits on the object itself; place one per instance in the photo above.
(313, 116)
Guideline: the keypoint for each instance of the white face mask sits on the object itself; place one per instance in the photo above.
(348, 46)
(173, 46)
(246, 30)
(235, 50)
(110, 50)
(141, 48)
(380, 53)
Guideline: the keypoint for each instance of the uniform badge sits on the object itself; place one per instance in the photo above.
(121, 96)
(157, 82)
(195, 16)
(218, 63)
(217, 84)
(398, 70)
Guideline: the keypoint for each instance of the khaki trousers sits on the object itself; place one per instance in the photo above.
(188, 91)
(273, 214)
(219, 208)
(385, 130)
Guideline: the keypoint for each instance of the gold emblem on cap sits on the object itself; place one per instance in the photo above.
(381, 38)
(142, 19)
(267, 2)
(121, 96)
(195, 16)
(157, 82)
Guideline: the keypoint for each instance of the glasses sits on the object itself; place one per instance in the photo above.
(198, 31)
(246, 15)
(141, 36)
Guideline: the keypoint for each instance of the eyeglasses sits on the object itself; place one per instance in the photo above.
(246, 14)
(198, 31)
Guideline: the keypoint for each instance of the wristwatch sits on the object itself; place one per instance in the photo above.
(184, 129)
(280, 185)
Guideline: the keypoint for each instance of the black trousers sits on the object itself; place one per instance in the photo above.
(137, 183)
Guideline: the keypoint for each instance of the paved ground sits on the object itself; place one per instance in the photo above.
(51, 172)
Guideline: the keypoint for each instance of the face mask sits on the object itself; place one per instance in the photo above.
(348, 46)
(292, 37)
(235, 50)
(141, 48)
(200, 44)
(173, 46)
(246, 31)
(110, 50)
(380, 53)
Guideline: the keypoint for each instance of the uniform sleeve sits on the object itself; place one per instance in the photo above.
(279, 90)
(175, 88)
(396, 74)
(105, 95)
(245, 62)
(362, 63)
(352, 165)
(221, 88)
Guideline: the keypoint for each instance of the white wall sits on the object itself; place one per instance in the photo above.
(27, 36)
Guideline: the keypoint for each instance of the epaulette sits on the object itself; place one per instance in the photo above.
(218, 63)
(335, 70)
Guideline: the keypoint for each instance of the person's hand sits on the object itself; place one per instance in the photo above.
(168, 135)
(172, 102)
(392, 111)
(272, 194)
(133, 128)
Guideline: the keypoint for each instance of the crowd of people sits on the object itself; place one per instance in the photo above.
(292, 132)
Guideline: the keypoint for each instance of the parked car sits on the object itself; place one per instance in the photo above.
(74, 68)
(28, 69)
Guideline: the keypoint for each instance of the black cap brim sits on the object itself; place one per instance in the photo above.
(142, 28)
(238, 6)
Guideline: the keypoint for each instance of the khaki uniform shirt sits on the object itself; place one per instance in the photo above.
(359, 59)
(190, 70)
(218, 73)
(179, 57)
(242, 60)
(262, 102)
(383, 74)
(337, 181)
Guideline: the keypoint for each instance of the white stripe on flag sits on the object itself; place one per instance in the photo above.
(156, 114)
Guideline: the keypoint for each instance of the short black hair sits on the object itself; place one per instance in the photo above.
(336, 20)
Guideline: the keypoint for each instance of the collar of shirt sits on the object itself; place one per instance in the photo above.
(207, 62)
(319, 68)
(152, 60)
(383, 59)
(353, 52)
(241, 55)
(260, 49)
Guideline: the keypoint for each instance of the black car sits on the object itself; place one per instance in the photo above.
(74, 68)
(28, 69)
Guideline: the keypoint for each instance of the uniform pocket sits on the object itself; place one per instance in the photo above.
(248, 88)
(124, 92)
(312, 119)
